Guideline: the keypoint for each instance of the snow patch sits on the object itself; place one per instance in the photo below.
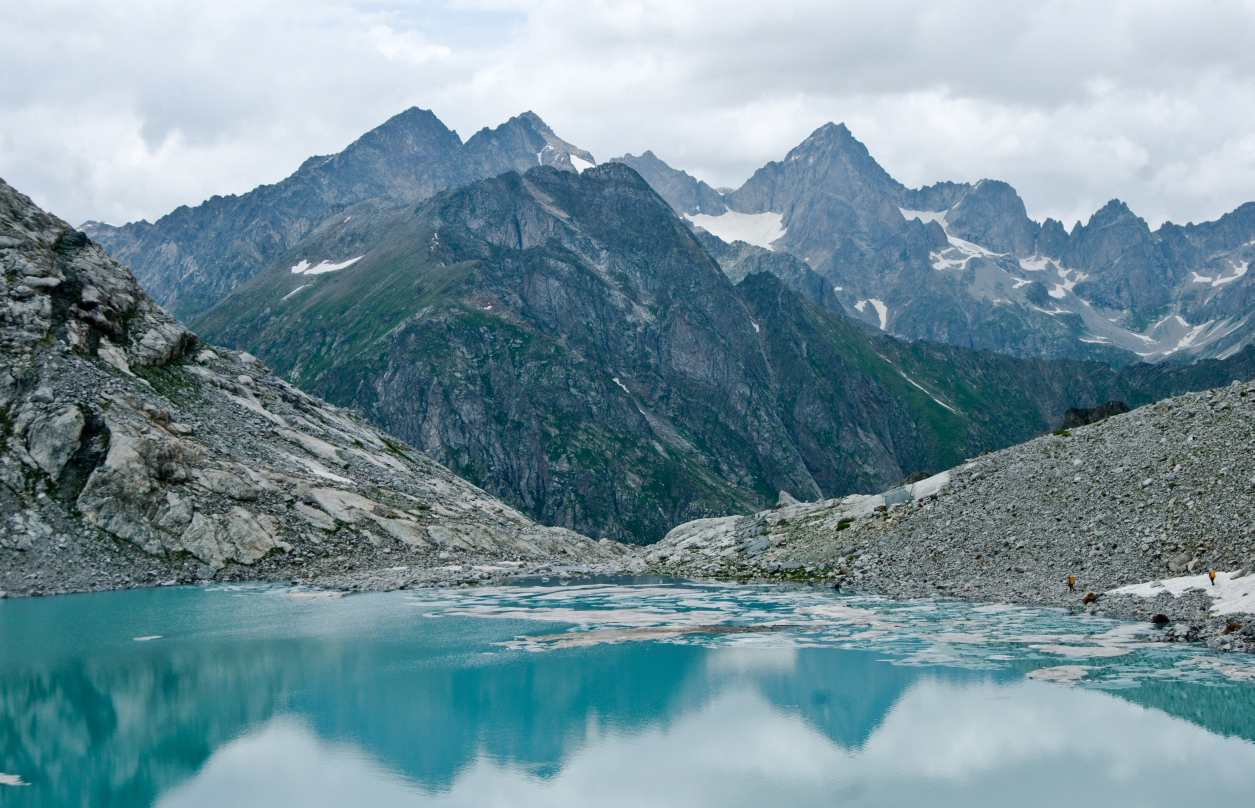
(882, 310)
(1189, 338)
(1196, 278)
(759, 229)
(621, 384)
(304, 268)
(294, 291)
(1070, 278)
(1231, 594)
(1238, 271)
(861, 305)
(12, 780)
(1038, 263)
(756, 328)
(1021, 282)
(930, 395)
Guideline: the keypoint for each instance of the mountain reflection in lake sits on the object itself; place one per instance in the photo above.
(254, 697)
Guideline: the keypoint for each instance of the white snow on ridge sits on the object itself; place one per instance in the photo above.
(759, 229)
(882, 310)
(581, 165)
(303, 268)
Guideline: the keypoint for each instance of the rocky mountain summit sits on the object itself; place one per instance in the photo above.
(192, 257)
(963, 264)
(1125, 517)
(565, 341)
(132, 453)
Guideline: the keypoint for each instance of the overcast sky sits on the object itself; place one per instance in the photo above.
(124, 110)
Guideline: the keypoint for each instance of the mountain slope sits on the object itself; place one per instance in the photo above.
(132, 453)
(192, 257)
(565, 341)
(963, 263)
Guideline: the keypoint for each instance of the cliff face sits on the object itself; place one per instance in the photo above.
(565, 341)
(194, 256)
(133, 453)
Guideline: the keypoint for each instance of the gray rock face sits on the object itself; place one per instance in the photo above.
(131, 453)
(964, 264)
(192, 257)
(683, 192)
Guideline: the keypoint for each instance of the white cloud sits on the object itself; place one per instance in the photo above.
(130, 108)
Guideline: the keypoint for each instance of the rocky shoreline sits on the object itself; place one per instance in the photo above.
(1161, 493)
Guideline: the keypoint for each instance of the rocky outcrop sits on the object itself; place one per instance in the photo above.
(132, 453)
(1146, 502)
(1081, 416)
(194, 256)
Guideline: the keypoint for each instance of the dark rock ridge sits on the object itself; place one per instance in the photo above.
(963, 264)
(131, 453)
(192, 257)
(565, 341)
(1081, 416)
(1159, 493)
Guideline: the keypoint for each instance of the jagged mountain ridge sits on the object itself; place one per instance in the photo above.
(192, 257)
(133, 453)
(565, 341)
(962, 263)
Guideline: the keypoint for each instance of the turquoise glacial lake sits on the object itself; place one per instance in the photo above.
(605, 693)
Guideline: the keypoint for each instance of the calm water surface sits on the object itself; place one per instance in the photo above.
(605, 694)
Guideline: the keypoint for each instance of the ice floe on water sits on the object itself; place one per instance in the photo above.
(921, 632)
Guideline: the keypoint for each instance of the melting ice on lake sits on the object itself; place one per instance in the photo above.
(651, 693)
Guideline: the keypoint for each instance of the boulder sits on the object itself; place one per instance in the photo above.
(52, 439)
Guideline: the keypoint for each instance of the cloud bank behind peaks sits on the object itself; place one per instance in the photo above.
(125, 110)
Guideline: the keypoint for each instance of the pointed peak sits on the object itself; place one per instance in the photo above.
(531, 120)
(401, 128)
(413, 118)
(1113, 211)
(834, 136)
